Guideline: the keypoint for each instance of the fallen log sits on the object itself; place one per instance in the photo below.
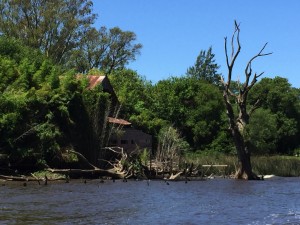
(83, 160)
(175, 176)
(16, 178)
(26, 178)
(91, 173)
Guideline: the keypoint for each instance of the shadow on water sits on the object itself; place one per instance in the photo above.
(218, 201)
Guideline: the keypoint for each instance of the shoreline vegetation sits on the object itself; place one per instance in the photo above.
(58, 94)
(283, 166)
(193, 167)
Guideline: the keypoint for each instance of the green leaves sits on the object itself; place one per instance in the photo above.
(282, 101)
(205, 68)
(32, 105)
(170, 144)
(193, 106)
(12, 108)
(262, 132)
(106, 49)
(54, 27)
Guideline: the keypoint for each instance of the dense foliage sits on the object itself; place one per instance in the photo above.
(205, 67)
(280, 113)
(46, 110)
(62, 30)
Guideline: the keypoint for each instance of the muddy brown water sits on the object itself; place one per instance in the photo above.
(216, 201)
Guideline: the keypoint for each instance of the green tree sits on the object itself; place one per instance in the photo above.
(282, 100)
(205, 67)
(54, 27)
(43, 111)
(261, 133)
(134, 94)
(105, 49)
(30, 109)
(193, 106)
(170, 146)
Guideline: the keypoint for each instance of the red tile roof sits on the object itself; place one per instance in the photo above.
(94, 80)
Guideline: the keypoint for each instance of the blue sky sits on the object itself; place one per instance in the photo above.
(173, 32)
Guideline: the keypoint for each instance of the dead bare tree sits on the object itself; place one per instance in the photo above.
(237, 123)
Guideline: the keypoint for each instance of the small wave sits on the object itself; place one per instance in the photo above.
(290, 218)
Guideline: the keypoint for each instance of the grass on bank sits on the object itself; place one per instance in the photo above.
(52, 176)
(286, 166)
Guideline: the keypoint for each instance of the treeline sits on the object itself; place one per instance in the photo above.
(194, 106)
(45, 110)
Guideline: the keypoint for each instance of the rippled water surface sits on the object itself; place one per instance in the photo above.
(217, 201)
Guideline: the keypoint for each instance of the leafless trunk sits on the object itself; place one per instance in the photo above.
(237, 123)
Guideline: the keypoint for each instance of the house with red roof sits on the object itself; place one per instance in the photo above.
(122, 134)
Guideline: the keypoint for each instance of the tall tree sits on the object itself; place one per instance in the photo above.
(135, 96)
(205, 67)
(43, 112)
(105, 49)
(191, 105)
(239, 122)
(55, 27)
(282, 100)
(262, 133)
(132, 91)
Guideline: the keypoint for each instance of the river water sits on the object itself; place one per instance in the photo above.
(216, 201)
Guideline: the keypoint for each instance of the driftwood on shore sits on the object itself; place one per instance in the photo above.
(17, 178)
(27, 178)
(117, 169)
(175, 176)
(89, 173)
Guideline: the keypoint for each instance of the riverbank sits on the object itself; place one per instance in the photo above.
(283, 166)
(201, 167)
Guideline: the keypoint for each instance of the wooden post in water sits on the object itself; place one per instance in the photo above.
(185, 172)
(163, 172)
(150, 175)
(171, 167)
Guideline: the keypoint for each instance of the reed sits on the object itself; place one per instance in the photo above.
(286, 166)
(199, 159)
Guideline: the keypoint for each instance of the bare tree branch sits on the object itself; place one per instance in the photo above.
(239, 121)
(234, 54)
(248, 69)
(226, 52)
(82, 158)
(254, 107)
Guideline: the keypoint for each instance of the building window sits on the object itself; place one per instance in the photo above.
(132, 142)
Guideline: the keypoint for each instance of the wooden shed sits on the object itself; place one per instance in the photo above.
(129, 138)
